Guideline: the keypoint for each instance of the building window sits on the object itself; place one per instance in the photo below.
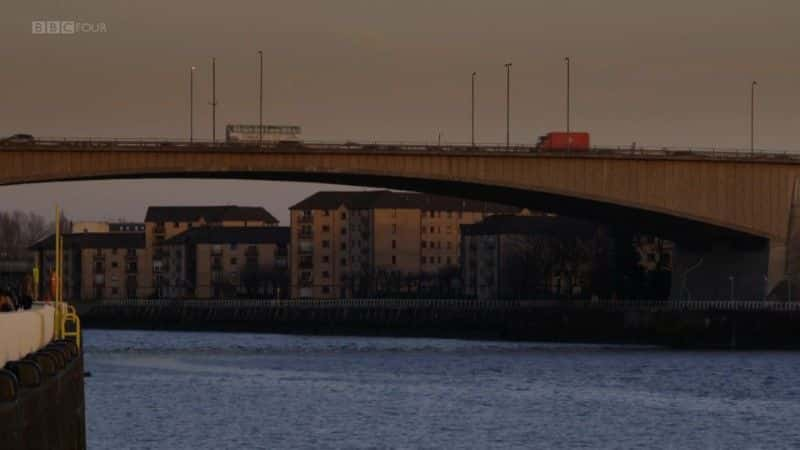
(113, 251)
(394, 228)
(326, 258)
(424, 260)
(114, 264)
(433, 230)
(424, 244)
(326, 274)
(343, 246)
(394, 259)
(326, 244)
(326, 212)
(449, 214)
(394, 243)
(344, 231)
(449, 245)
(233, 261)
(448, 260)
(326, 228)
(343, 215)
(114, 291)
(326, 289)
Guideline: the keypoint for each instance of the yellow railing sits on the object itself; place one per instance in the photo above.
(67, 322)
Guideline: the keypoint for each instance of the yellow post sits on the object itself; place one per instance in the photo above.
(57, 290)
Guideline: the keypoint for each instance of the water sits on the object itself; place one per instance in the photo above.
(158, 390)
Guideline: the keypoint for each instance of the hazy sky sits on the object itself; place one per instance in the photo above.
(659, 73)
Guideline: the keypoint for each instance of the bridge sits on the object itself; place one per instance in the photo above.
(731, 214)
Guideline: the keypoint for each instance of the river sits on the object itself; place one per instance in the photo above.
(171, 390)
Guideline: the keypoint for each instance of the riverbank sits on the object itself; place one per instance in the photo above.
(712, 327)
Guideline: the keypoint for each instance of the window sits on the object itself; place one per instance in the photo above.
(449, 214)
(326, 259)
(326, 244)
(424, 260)
(326, 212)
(394, 228)
(343, 215)
(175, 224)
(234, 261)
(449, 229)
(433, 230)
(424, 244)
(114, 291)
(449, 245)
(326, 289)
(430, 213)
(394, 243)
(326, 228)
(343, 261)
(326, 274)
(448, 260)
(394, 259)
(344, 231)
(343, 246)
(114, 264)
(113, 251)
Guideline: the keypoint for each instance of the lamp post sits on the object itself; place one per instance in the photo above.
(731, 278)
(508, 104)
(474, 74)
(191, 103)
(260, 95)
(752, 116)
(569, 138)
(766, 287)
(213, 100)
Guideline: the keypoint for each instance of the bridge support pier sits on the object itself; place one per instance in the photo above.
(725, 269)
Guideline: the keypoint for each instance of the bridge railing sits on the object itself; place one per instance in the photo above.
(167, 144)
(466, 304)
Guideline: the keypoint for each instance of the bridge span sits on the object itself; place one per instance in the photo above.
(731, 214)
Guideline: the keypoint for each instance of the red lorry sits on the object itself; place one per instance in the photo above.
(558, 140)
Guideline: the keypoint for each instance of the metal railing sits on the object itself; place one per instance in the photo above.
(653, 305)
(172, 144)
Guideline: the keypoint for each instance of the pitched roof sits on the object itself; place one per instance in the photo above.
(397, 200)
(547, 225)
(208, 213)
(93, 240)
(231, 235)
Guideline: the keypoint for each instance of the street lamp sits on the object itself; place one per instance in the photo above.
(474, 74)
(508, 104)
(213, 100)
(752, 116)
(731, 278)
(766, 287)
(569, 139)
(260, 95)
(191, 103)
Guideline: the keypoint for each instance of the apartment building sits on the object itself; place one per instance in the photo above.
(107, 227)
(354, 244)
(227, 262)
(96, 265)
(165, 222)
(526, 256)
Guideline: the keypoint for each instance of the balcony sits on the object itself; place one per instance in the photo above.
(305, 234)
(305, 265)
(305, 219)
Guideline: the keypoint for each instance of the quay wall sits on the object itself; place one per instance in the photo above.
(676, 324)
(42, 400)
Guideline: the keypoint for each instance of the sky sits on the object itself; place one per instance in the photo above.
(674, 74)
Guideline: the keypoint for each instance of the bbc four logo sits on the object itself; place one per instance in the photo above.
(66, 27)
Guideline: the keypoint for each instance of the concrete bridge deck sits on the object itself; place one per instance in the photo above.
(732, 214)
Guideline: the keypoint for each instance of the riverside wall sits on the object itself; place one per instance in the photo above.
(684, 325)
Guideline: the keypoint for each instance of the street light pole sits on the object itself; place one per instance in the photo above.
(191, 103)
(752, 116)
(473, 107)
(213, 100)
(508, 104)
(569, 137)
(260, 95)
(731, 279)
